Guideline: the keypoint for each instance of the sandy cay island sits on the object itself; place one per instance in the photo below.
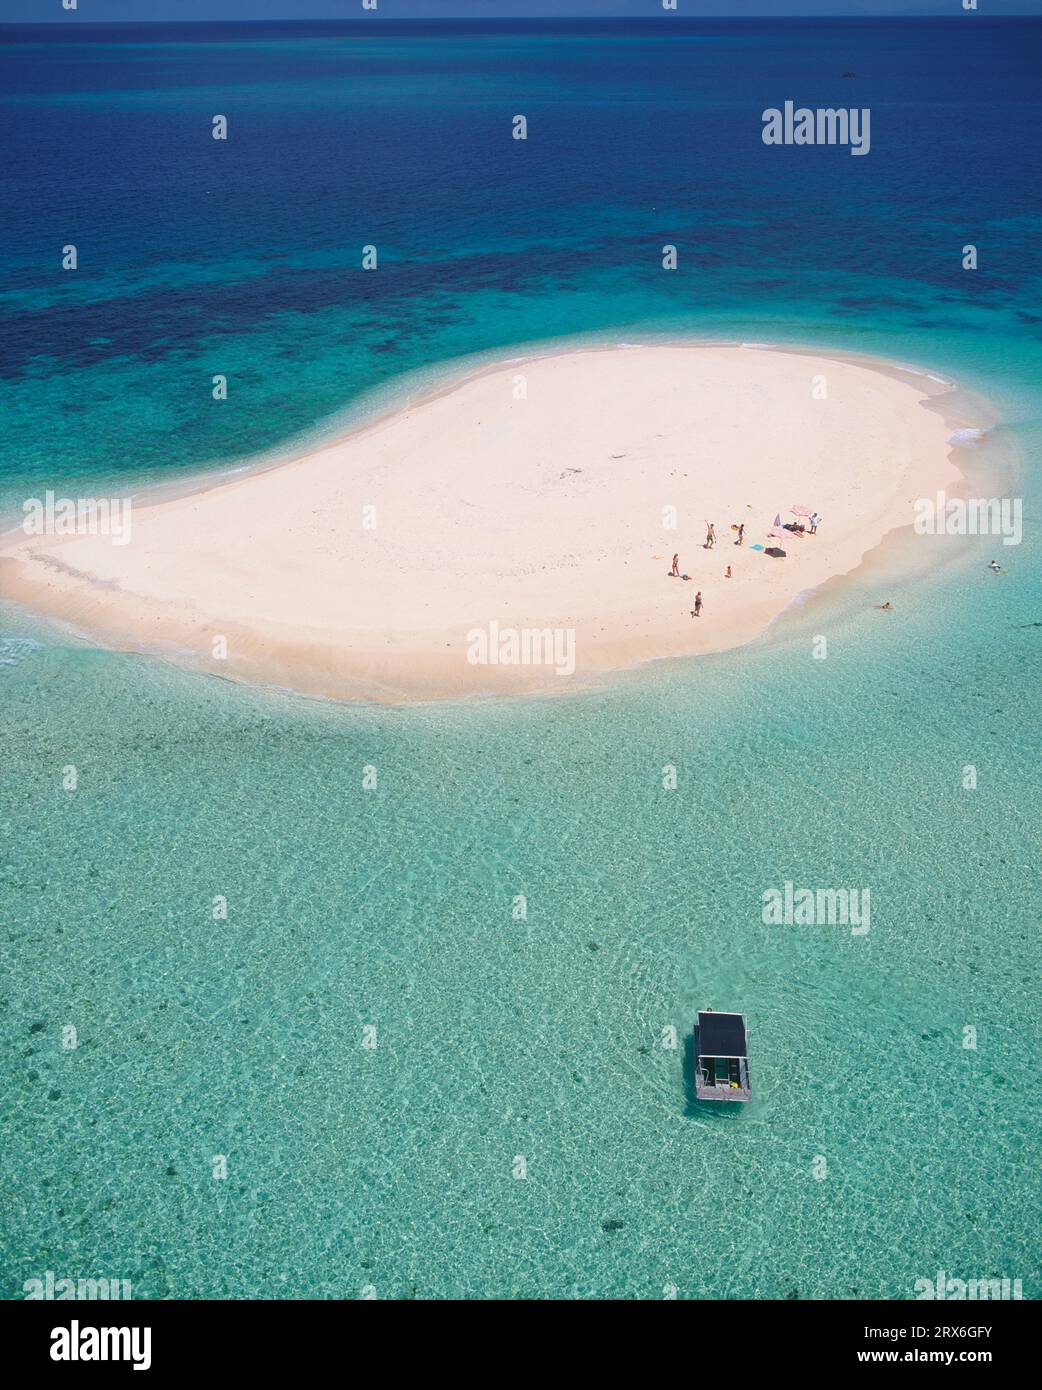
(372, 567)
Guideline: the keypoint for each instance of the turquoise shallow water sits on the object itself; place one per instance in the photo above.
(540, 1039)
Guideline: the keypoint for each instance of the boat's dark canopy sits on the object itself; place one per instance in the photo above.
(721, 1035)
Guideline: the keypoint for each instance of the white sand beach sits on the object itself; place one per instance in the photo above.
(529, 496)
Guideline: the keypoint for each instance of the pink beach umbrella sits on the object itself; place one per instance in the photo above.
(802, 511)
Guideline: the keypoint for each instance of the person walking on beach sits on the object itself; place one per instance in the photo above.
(676, 565)
(696, 612)
(710, 535)
(741, 534)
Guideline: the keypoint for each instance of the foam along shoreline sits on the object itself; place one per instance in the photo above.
(507, 535)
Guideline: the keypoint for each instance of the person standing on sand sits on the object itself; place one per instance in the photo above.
(676, 565)
(696, 612)
(815, 522)
(741, 534)
(710, 535)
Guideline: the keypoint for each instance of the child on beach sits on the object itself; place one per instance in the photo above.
(728, 574)
(696, 612)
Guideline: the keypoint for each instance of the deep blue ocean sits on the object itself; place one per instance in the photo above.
(395, 1168)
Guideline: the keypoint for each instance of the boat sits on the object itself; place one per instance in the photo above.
(722, 1063)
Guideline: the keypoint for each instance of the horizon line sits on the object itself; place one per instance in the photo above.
(80, 23)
